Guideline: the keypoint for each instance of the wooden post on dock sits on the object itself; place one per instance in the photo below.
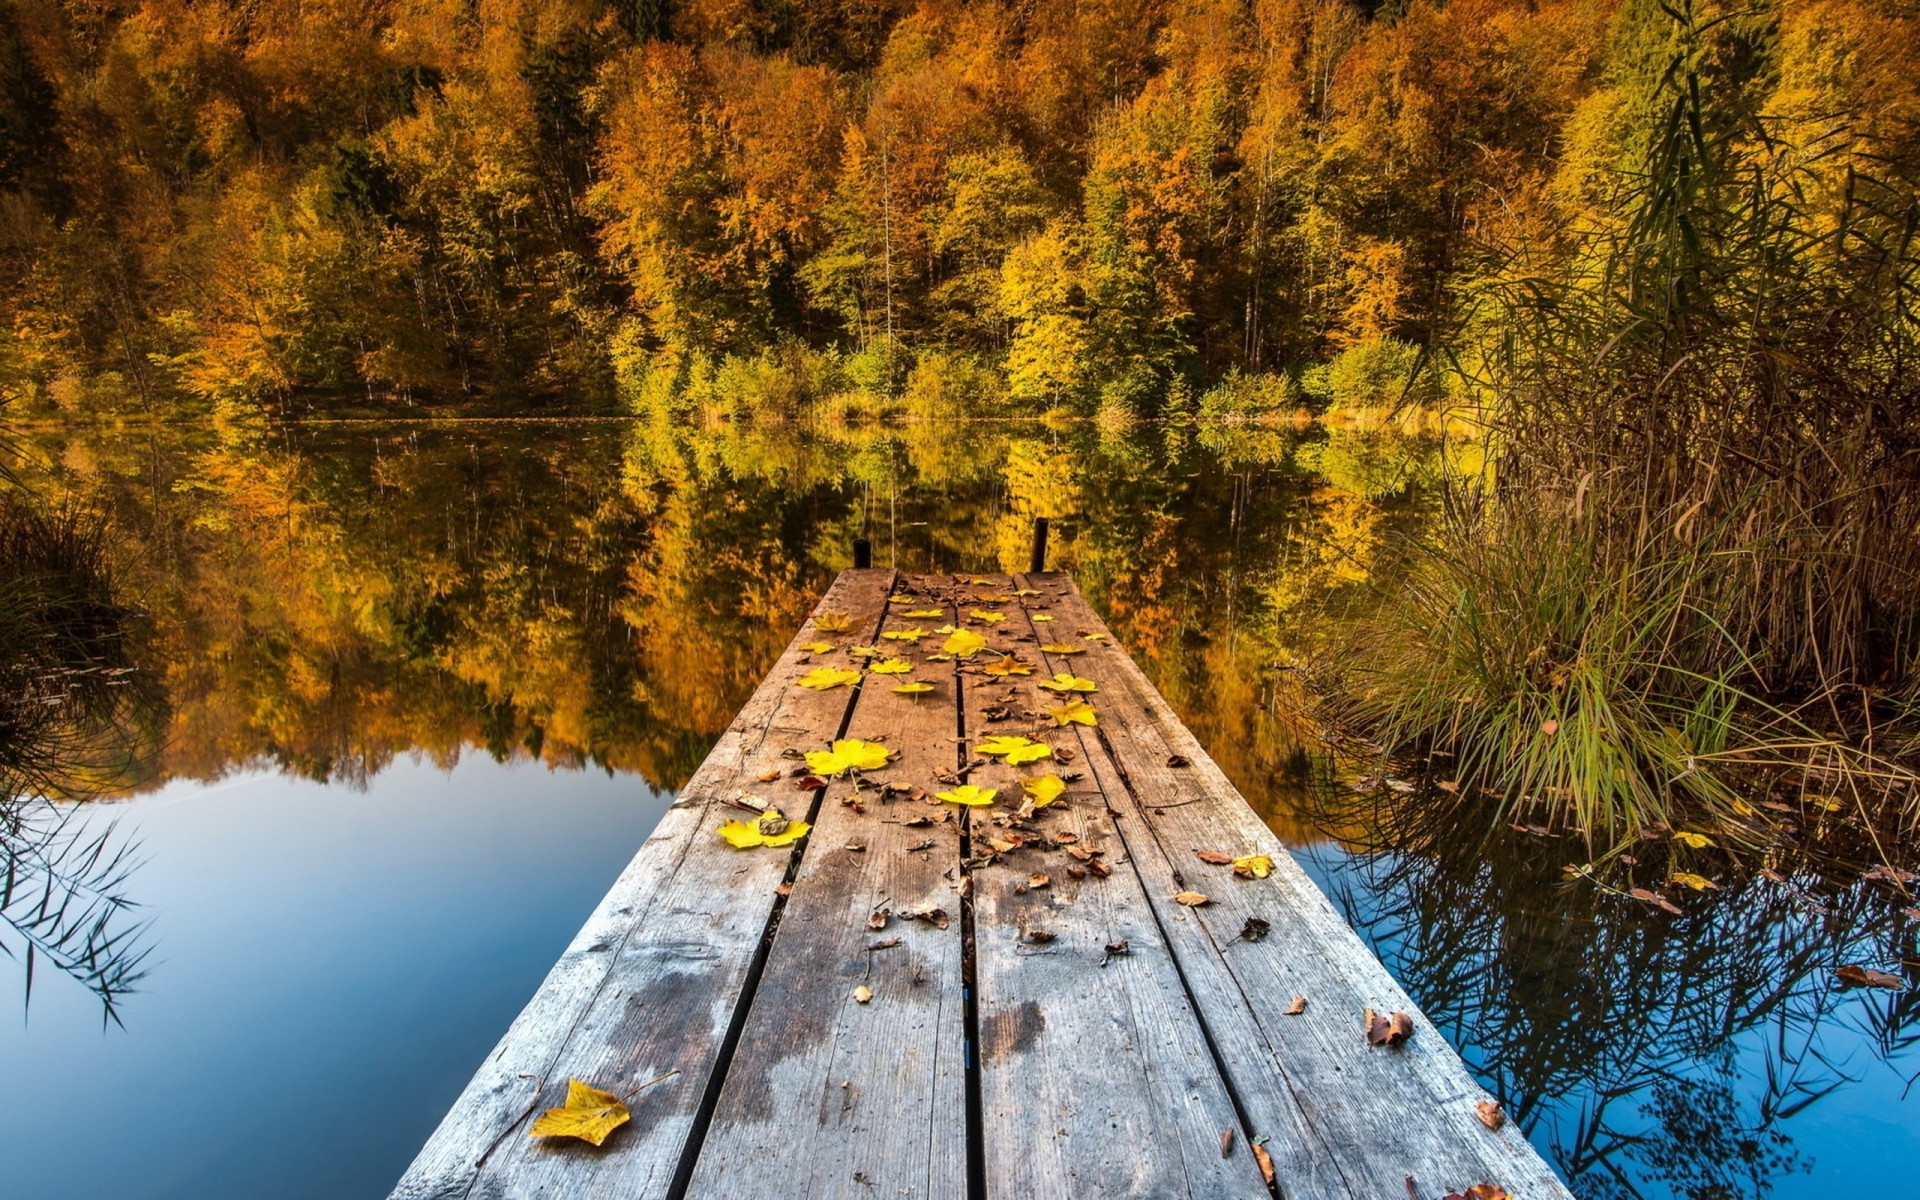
(1038, 562)
(862, 554)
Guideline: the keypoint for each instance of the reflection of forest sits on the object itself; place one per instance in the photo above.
(607, 593)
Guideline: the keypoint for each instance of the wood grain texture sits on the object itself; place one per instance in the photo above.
(1344, 1118)
(1095, 1076)
(651, 983)
(827, 1096)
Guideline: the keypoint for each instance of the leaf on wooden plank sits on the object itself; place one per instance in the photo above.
(862, 994)
(1696, 841)
(865, 651)
(1226, 1142)
(1857, 976)
(1014, 749)
(891, 666)
(1655, 899)
(1009, 666)
(1062, 648)
(1042, 616)
(936, 917)
(1038, 880)
(1490, 1114)
(1213, 857)
(1698, 883)
(1254, 930)
(848, 754)
(1074, 712)
(1040, 936)
(771, 829)
(1067, 681)
(916, 688)
(1383, 1030)
(832, 622)
(822, 678)
(879, 917)
(904, 635)
(1191, 899)
(963, 642)
(1298, 1006)
(983, 615)
(969, 795)
(1265, 1160)
(925, 614)
(1044, 789)
(589, 1114)
(810, 783)
(1253, 866)
(817, 647)
(1177, 760)
(1479, 1191)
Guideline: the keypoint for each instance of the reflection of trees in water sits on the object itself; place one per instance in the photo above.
(77, 718)
(1663, 1053)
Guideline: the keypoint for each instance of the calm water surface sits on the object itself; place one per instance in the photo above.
(422, 689)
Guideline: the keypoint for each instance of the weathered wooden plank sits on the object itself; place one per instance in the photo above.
(1345, 1118)
(827, 1096)
(1095, 1076)
(651, 984)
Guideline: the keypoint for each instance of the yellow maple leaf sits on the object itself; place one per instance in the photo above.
(964, 642)
(832, 622)
(1014, 749)
(1065, 681)
(822, 678)
(892, 666)
(979, 615)
(1698, 883)
(817, 647)
(916, 688)
(1094, 637)
(848, 754)
(1698, 841)
(1075, 712)
(1043, 616)
(1009, 666)
(771, 829)
(925, 614)
(900, 600)
(1063, 648)
(1257, 866)
(1025, 592)
(904, 635)
(969, 795)
(865, 651)
(590, 1115)
(1044, 789)
(948, 628)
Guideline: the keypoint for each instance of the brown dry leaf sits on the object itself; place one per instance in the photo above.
(1177, 760)
(879, 918)
(1265, 1160)
(1226, 1141)
(1549, 727)
(1856, 976)
(1655, 899)
(1040, 936)
(1298, 1006)
(1038, 880)
(888, 944)
(1192, 899)
(1254, 930)
(770, 776)
(1213, 856)
(862, 994)
(1387, 1031)
(1480, 1191)
(1490, 1114)
(936, 917)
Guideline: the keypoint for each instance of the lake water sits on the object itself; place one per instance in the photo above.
(421, 690)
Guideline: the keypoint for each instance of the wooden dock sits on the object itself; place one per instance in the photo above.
(926, 999)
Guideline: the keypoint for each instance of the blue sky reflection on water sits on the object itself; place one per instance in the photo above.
(330, 965)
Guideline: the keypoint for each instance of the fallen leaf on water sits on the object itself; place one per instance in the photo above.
(1014, 749)
(1855, 976)
(1698, 841)
(1265, 1160)
(1063, 648)
(1387, 1031)
(832, 622)
(891, 666)
(1009, 666)
(1216, 857)
(1655, 899)
(1490, 1114)
(969, 795)
(817, 647)
(1067, 681)
(848, 754)
(822, 678)
(963, 642)
(1254, 930)
(771, 829)
(916, 688)
(1044, 789)
(1911, 912)
(862, 994)
(1191, 899)
(1253, 866)
(1698, 883)
(1298, 1006)
(1076, 712)
(1887, 874)
(590, 1115)
(904, 635)
(1479, 1191)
